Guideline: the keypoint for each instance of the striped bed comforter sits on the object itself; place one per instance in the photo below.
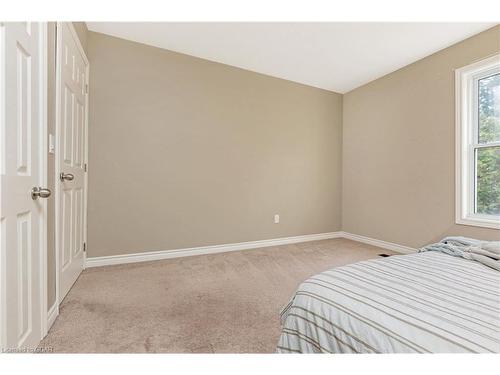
(419, 303)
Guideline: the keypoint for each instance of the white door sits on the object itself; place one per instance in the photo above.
(22, 128)
(71, 112)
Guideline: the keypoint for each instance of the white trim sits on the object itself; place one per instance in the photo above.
(379, 243)
(168, 254)
(86, 157)
(52, 314)
(57, 166)
(43, 178)
(3, 254)
(465, 143)
(177, 253)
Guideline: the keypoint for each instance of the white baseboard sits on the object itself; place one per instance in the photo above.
(168, 254)
(52, 315)
(379, 243)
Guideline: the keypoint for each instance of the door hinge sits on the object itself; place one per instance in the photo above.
(86, 88)
(85, 167)
(84, 247)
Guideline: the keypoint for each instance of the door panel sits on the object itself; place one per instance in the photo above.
(78, 225)
(67, 125)
(21, 129)
(24, 275)
(66, 228)
(72, 132)
(79, 127)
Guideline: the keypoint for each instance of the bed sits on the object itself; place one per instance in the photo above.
(427, 302)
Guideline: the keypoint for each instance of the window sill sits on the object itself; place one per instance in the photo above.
(492, 222)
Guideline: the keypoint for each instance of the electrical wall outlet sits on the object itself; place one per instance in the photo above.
(276, 219)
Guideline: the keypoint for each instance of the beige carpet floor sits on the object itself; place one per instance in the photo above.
(219, 303)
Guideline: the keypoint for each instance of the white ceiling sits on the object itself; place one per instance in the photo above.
(333, 56)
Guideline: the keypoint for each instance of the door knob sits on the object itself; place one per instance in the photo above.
(66, 176)
(38, 192)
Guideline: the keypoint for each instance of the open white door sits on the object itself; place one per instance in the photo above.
(71, 112)
(22, 171)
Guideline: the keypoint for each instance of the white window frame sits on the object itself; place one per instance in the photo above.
(466, 107)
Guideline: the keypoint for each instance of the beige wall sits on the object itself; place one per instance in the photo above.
(81, 29)
(185, 152)
(398, 150)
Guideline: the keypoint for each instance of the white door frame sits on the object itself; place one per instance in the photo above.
(44, 172)
(43, 165)
(59, 147)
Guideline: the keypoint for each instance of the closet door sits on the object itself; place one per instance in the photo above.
(71, 112)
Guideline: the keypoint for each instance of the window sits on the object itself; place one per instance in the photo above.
(478, 144)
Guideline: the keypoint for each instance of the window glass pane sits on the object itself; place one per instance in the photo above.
(489, 109)
(488, 181)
